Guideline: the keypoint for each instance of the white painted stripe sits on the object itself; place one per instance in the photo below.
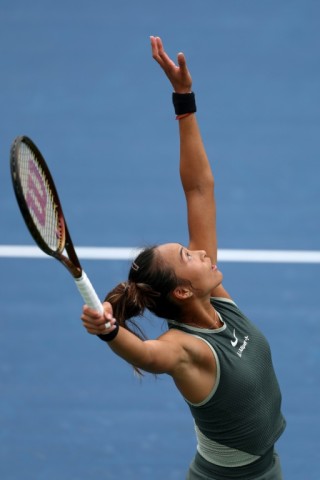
(85, 253)
(270, 256)
(128, 253)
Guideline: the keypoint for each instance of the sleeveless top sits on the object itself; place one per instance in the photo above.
(241, 418)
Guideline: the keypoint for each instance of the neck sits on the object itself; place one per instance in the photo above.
(202, 317)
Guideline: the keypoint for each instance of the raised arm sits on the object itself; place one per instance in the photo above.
(195, 170)
(197, 182)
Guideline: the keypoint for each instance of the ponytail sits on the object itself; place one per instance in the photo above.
(129, 300)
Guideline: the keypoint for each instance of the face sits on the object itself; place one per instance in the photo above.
(192, 265)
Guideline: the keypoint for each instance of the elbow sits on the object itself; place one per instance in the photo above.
(205, 187)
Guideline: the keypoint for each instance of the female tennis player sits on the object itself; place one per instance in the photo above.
(220, 362)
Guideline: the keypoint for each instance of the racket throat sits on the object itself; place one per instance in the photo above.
(71, 262)
(76, 271)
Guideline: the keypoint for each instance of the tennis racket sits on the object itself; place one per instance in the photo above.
(42, 212)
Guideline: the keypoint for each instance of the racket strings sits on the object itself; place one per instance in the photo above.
(39, 198)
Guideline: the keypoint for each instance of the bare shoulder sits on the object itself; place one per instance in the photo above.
(173, 335)
(197, 351)
(179, 337)
(194, 377)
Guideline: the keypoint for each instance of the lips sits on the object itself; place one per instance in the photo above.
(214, 267)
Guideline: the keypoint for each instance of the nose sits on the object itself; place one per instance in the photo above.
(202, 253)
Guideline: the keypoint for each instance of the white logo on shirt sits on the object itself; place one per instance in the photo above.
(243, 346)
(236, 340)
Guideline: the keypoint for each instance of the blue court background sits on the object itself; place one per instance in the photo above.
(78, 78)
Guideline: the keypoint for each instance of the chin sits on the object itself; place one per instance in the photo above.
(218, 278)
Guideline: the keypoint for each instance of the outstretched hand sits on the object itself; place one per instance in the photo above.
(178, 75)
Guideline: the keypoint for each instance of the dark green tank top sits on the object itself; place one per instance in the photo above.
(244, 411)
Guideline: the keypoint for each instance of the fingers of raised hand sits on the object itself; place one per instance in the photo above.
(178, 75)
(160, 55)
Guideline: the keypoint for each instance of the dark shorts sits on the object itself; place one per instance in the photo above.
(200, 470)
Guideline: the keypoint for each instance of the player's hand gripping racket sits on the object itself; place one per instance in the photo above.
(41, 209)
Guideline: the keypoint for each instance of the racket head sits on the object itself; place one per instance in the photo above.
(37, 196)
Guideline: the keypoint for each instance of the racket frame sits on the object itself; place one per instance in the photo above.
(65, 242)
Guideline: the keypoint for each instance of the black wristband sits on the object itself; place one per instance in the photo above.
(184, 103)
(107, 337)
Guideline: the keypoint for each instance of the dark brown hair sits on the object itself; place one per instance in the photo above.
(149, 286)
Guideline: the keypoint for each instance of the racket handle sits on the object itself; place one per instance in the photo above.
(88, 294)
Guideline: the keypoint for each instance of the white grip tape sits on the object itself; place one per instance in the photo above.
(88, 294)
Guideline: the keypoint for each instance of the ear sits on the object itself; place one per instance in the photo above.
(182, 293)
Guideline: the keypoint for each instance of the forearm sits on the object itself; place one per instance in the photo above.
(195, 170)
(125, 344)
(198, 185)
(131, 349)
(153, 356)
